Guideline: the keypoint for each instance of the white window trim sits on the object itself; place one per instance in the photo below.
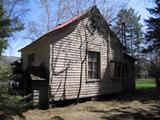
(100, 66)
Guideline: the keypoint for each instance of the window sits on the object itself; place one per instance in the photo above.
(93, 65)
(118, 71)
(31, 58)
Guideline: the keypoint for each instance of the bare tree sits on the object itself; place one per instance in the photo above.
(35, 31)
(54, 13)
(14, 7)
(47, 9)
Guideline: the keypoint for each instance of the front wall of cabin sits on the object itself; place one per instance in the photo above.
(68, 49)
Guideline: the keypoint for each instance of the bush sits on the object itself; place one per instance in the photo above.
(6, 72)
(154, 72)
(12, 105)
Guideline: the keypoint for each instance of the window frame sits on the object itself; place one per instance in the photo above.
(98, 66)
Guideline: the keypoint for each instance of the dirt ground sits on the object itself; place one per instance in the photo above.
(143, 105)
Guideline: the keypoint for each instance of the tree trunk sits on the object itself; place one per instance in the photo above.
(80, 84)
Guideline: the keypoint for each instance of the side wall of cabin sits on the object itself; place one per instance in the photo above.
(68, 50)
(40, 51)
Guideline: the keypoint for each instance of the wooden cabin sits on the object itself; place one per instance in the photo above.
(82, 55)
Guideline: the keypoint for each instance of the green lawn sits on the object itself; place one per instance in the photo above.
(145, 83)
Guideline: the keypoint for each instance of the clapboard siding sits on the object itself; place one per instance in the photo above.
(65, 59)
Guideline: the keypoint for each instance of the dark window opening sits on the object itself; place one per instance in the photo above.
(93, 65)
(92, 25)
(31, 59)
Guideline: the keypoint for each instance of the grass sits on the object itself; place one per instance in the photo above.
(145, 83)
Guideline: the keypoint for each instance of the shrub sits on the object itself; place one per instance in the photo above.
(12, 105)
(6, 72)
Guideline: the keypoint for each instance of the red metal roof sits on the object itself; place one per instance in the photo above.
(67, 22)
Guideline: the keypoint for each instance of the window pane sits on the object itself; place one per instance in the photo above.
(89, 66)
(89, 57)
(95, 57)
(90, 75)
(95, 66)
(96, 75)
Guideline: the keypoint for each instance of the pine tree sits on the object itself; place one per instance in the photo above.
(4, 23)
(153, 30)
(8, 25)
(153, 41)
(128, 25)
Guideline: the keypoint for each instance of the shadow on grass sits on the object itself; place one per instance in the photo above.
(139, 94)
(65, 103)
(57, 118)
(129, 113)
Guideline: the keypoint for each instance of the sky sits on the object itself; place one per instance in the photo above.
(19, 41)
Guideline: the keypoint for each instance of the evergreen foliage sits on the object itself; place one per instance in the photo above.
(153, 41)
(12, 105)
(6, 72)
(153, 30)
(128, 24)
(8, 25)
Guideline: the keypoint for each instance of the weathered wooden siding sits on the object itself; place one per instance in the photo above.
(66, 49)
(41, 50)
